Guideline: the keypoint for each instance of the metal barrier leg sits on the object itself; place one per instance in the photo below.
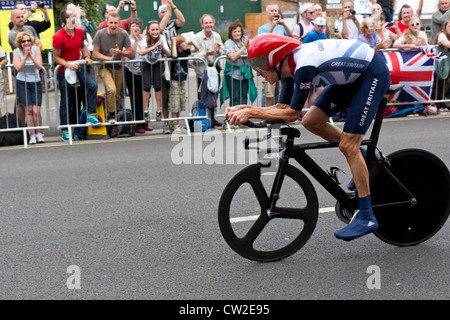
(25, 140)
(188, 129)
(228, 126)
(70, 135)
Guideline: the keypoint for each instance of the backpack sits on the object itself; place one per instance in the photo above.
(10, 138)
(200, 125)
(301, 29)
(81, 132)
(125, 130)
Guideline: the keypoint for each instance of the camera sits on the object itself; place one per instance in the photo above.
(127, 2)
(41, 4)
(353, 12)
(277, 16)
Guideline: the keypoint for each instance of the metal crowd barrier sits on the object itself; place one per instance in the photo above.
(99, 67)
(12, 108)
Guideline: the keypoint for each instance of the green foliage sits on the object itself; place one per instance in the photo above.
(92, 8)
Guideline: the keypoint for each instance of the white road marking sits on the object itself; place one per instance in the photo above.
(251, 218)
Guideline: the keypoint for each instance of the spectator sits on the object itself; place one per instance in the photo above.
(152, 46)
(369, 35)
(18, 20)
(210, 47)
(347, 26)
(302, 28)
(178, 76)
(68, 47)
(238, 75)
(124, 24)
(275, 23)
(133, 76)
(169, 28)
(87, 27)
(404, 17)
(442, 40)
(318, 12)
(381, 26)
(39, 26)
(27, 60)
(108, 46)
(439, 17)
(376, 10)
(3, 62)
(383, 35)
(387, 8)
(317, 33)
(412, 38)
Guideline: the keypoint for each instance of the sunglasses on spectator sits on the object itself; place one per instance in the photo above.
(415, 24)
(23, 41)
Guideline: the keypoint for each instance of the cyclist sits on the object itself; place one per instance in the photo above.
(355, 77)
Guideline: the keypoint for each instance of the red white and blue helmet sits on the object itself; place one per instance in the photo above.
(267, 50)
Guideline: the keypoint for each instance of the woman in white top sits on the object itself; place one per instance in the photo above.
(153, 46)
(27, 60)
(413, 37)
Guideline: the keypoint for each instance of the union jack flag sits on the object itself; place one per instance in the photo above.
(305, 85)
(415, 70)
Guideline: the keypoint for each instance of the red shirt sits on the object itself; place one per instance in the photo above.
(124, 24)
(69, 45)
(401, 26)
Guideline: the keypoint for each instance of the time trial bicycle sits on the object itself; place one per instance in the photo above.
(271, 220)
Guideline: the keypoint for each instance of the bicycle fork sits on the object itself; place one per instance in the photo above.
(278, 182)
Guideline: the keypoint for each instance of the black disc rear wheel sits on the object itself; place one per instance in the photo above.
(428, 179)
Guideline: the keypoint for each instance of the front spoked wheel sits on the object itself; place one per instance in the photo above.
(248, 228)
(427, 178)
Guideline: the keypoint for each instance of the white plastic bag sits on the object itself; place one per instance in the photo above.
(213, 79)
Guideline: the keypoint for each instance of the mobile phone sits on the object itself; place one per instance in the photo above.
(390, 24)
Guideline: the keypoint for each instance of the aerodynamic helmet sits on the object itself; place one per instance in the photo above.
(267, 50)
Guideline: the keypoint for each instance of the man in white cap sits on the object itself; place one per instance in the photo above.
(302, 28)
(318, 32)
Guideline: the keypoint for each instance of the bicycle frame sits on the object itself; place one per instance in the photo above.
(298, 152)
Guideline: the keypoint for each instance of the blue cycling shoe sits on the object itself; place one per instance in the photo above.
(363, 224)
